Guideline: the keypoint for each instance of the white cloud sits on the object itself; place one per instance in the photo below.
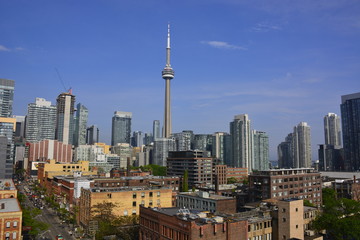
(266, 27)
(19, 49)
(4, 49)
(223, 45)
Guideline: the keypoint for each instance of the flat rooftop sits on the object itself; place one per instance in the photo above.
(205, 196)
(341, 175)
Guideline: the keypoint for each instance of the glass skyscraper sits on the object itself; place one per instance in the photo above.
(6, 97)
(261, 150)
(350, 118)
(121, 128)
(81, 119)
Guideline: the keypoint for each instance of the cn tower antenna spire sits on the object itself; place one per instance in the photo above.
(167, 74)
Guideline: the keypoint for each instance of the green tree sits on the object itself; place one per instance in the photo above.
(340, 217)
(156, 170)
(308, 203)
(185, 182)
(231, 180)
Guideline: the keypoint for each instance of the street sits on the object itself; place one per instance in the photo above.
(48, 216)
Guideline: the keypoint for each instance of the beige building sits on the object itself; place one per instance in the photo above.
(106, 148)
(10, 211)
(290, 219)
(127, 199)
(53, 168)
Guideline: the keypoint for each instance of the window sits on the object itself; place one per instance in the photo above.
(284, 219)
(109, 195)
(158, 202)
(133, 212)
(134, 204)
(150, 194)
(142, 194)
(297, 226)
(142, 202)
(125, 212)
(296, 209)
(283, 210)
(7, 224)
(15, 224)
(150, 202)
(158, 194)
(134, 195)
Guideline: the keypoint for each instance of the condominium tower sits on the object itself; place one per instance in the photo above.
(241, 142)
(6, 97)
(81, 119)
(260, 150)
(65, 117)
(40, 121)
(121, 128)
(350, 118)
(332, 129)
(301, 146)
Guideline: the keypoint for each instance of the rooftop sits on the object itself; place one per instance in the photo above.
(10, 205)
(205, 195)
(7, 184)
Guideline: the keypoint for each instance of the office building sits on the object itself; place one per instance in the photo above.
(301, 146)
(332, 129)
(6, 97)
(280, 184)
(197, 163)
(65, 117)
(20, 126)
(92, 135)
(331, 158)
(40, 121)
(156, 129)
(91, 153)
(81, 119)
(350, 119)
(167, 74)
(137, 140)
(161, 149)
(285, 152)
(241, 142)
(261, 150)
(121, 128)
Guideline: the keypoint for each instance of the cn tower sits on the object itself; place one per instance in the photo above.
(167, 74)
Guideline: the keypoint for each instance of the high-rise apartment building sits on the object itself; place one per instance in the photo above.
(261, 150)
(350, 118)
(137, 140)
(121, 128)
(7, 129)
(40, 121)
(6, 97)
(92, 135)
(221, 147)
(285, 152)
(301, 146)
(81, 119)
(332, 129)
(65, 117)
(241, 142)
(202, 142)
(184, 140)
(156, 129)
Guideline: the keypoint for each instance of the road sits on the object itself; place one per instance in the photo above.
(48, 216)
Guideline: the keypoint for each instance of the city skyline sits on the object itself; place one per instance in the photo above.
(279, 63)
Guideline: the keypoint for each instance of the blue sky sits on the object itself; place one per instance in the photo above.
(282, 62)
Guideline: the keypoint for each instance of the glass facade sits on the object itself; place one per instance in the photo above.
(121, 128)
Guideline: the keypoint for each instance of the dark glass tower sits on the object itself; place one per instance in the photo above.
(121, 128)
(350, 118)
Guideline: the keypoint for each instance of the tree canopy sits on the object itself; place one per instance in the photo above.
(340, 217)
